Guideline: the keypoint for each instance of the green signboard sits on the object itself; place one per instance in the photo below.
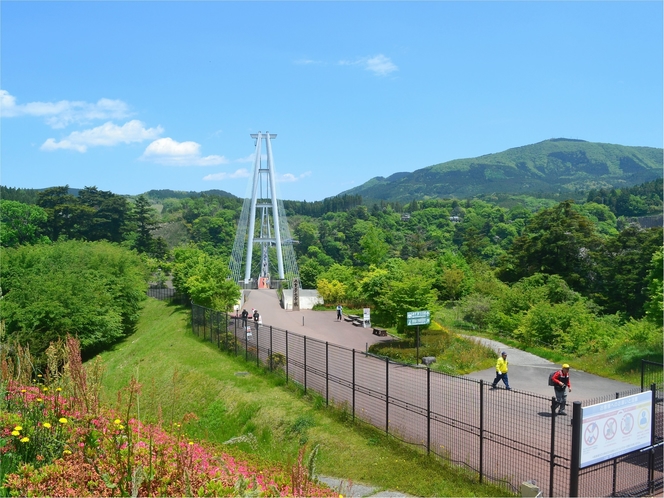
(418, 318)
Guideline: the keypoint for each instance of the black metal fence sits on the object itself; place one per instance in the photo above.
(167, 294)
(506, 437)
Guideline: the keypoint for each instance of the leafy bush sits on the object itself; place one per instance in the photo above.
(91, 290)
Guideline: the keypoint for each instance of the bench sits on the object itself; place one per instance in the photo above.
(380, 332)
(357, 323)
(348, 318)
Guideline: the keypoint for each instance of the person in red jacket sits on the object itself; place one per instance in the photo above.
(561, 384)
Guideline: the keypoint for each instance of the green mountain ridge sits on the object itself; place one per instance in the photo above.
(553, 166)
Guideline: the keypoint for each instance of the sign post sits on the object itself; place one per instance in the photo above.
(417, 318)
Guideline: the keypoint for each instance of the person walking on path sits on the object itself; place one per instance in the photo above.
(340, 310)
(561, 384)
(245, 315)
(501, 372)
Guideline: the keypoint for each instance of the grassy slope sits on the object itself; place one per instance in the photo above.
(182, 374)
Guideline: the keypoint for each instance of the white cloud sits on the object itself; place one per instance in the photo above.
(240, 173)
(289, 177)
(305, 62)
(107, 134)
(62, 113)
(173, 153)
(249, 159)
(378, 64)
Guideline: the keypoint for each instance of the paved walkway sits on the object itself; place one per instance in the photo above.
(321, 325)
(527, 373)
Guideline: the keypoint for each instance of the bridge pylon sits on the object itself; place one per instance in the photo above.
(263, 226)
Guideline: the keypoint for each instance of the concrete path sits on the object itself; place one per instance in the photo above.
(321, 325)
(528, 372)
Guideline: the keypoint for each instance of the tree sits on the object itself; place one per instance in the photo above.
(146, 221)
(306, 234)
(65, 215)
(331, 291)
(374, 248)
(91, 290)
(400, 287)
(556, 241)
(21, 224)
(111, 216)
(654, 306)
(623, 265)
(204, 278)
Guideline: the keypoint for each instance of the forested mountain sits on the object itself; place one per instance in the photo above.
(180, 194)
(552, 166)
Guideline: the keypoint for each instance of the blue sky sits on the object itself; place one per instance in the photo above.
(133, 96)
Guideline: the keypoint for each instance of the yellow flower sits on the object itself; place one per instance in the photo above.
(191, 442)
(120, 427)
(62, 420)
(116, 421)
(39, 400)
(18, 428)
(47, 425)
(58, 389)
(67, 452)
(16, 433)
(22, 390)
(39, 375)
(25, 439)
(45, 389)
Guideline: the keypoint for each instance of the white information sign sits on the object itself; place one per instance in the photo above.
(366, 319)
(417, 318)
(614, 428)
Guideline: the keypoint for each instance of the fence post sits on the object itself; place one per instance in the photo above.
(258, 349)
(651, 456)
(481, 430)
(218, 329)
(193, 321)
(387, 395)
(204, 322)
(235, 339)
(552, 451)
(271, 359)
(246, 344)
(575, 460)
(287, 357)
(615, 466)
(643, 372)
(327, 374)
(305, 364)
(429, 410)
(353, 385)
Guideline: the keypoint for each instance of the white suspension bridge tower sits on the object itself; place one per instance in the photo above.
(276, 259)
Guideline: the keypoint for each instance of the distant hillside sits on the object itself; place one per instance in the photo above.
(180, 194)
(553, 166)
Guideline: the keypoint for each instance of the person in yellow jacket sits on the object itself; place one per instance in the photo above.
(501, 372)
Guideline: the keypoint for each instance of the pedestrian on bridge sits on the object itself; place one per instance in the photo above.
(501, 372)
(245, 315)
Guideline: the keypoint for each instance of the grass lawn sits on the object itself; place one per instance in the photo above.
(180, 374)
